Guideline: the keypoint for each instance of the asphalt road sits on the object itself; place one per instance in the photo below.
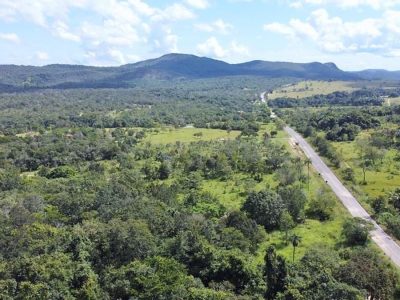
(383, 240)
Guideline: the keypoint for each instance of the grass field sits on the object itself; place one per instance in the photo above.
(393, 101)
(383, 179)
(230, 192)
(310, 88)
(272, 127)
(186, 135)
(28, 134)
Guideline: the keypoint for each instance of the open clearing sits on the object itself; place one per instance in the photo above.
(380, 180)
(186, 135)
(305, 89)
(393, 101)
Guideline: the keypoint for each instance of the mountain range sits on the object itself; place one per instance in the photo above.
(167, 67)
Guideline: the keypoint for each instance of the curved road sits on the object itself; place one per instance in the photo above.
(383, 240)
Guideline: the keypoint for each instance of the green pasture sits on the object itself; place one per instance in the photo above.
(380, 180)
(186, 135)
(310, 88)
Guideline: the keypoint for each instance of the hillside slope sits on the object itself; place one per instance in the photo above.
(170, 66)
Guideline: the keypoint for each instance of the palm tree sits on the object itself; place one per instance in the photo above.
(308, 162)
(295, 242)
(298, 163)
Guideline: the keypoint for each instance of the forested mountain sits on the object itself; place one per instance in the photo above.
(171, 66)
(377, 74)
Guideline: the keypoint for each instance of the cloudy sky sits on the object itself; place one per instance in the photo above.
(355, 34)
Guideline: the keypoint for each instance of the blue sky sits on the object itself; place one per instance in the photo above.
(355, 34)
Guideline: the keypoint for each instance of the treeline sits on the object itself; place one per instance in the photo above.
(65, 147)
(339, 125)
(363, 97)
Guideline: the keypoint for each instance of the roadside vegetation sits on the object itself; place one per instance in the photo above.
(362, 146)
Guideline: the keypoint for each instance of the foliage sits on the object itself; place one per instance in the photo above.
(295, 200)
(365, 271)
(363, 97)
(321, 206)
(314, 277)
(275, 273)
(266, 207)
(356, 232)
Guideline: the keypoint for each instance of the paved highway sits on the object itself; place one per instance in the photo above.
(383, 240)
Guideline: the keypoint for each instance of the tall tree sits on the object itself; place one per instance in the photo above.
(275, 273)
(308, 163)
(265, 207)
(286, 223)
(295, 243)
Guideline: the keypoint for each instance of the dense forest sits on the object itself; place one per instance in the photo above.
(342, 124)
(223, 103)
(91, 209)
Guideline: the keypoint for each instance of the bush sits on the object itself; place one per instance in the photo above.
(348, 174)
(9, 179)
(379, 205)
(392, 223)
(61, 172)
(265, 207)
(321, 207)
(355, 232)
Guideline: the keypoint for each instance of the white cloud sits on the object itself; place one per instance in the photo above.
(107, 57)
(165, 40)
(199, 4)
(394, 53)
(116, 25)
(304, 29)
(219, 26)
(38, 11)
(333, 34)
(111, 32)
(297, 4)
(280, 28)
(117, 56)
(142, 8)
(238, 49)
(10, 37)
(62, 30)
(212, 48)
(40, 55)
(177, 11)
(393, 21)
(375, 4)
